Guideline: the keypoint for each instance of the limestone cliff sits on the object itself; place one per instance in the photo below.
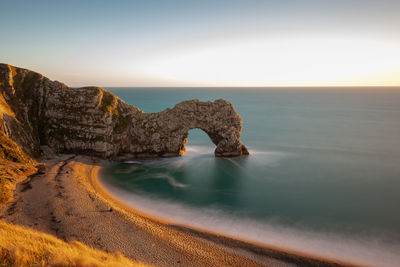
(35, 111)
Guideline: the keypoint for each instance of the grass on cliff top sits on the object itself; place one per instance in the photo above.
(108, 102)
(20, 246)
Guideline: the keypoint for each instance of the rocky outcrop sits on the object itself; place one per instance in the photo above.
(35, 112)
(165, 133)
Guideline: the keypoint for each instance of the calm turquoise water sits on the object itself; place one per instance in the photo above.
(323, 161)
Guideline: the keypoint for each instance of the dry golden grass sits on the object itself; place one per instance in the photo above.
(20, 246)
(15, 166)
(11, 151)
(10, 174)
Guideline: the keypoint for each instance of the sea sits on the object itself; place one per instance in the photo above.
(322, 177)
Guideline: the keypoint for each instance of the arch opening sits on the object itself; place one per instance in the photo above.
(198, 142)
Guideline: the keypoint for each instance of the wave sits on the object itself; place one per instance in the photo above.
(132, 167)
(364, 250)
(144, 175)
(171, 180)
(199, 150)
(132, 162)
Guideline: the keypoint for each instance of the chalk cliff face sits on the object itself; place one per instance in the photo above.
(35, 111)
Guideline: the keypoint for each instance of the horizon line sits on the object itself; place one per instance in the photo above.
(313, 86)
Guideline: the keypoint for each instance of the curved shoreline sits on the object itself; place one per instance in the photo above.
(233, 243)
(69, 202)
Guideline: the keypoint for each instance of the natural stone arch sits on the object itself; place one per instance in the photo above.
(92, 121)
(168, 130)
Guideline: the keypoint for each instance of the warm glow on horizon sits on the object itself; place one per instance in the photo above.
(283, 62)
(224, 43)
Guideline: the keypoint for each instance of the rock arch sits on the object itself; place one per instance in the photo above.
(92, 121)
(169, 128)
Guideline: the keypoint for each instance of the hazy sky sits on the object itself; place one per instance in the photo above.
(205, 43)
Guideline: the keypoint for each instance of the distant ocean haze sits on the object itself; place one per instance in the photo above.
(324, 162)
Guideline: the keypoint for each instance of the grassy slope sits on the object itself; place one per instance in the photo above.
(20, 246)
(15, 166)
(10, 174)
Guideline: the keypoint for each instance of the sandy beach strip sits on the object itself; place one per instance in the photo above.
(69, 202)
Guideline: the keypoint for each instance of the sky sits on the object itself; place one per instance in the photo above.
(205, 43)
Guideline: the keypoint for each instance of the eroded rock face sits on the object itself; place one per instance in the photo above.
(165, 133)
(36, 111)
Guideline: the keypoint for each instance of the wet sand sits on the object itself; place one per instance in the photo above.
(69, 202)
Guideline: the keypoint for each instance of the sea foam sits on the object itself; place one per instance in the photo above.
(362, 250)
